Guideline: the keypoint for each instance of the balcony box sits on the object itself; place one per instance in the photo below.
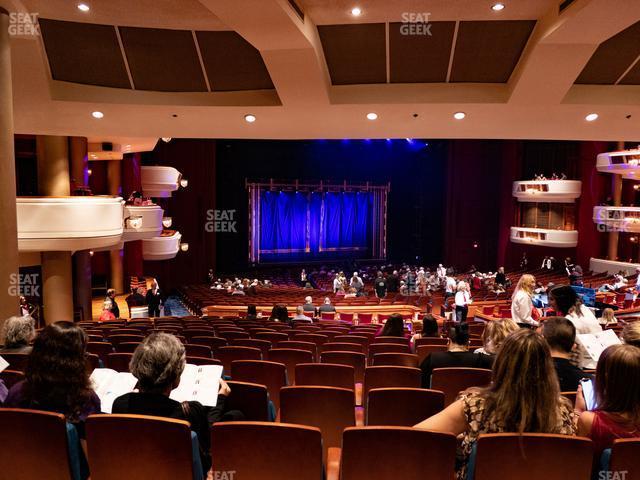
(163, 247)
(548, 191)
(544, 237)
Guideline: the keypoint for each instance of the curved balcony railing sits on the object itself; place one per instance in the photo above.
(159, 182)
(142, 222)
(621, 162)
(545, 237)
(617, 219)
(68, 223)
(163, 247)
(551, 191)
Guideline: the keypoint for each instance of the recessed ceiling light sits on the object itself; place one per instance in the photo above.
(83, 7)
(459, 115)
(356, 11)
(372, 116)
(97, 114)
(496, 7)
(591, 117)
(250, 118)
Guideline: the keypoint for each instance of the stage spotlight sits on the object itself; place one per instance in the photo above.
(166, 139)
(184, 246)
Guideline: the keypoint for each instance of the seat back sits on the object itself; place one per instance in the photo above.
(325, 375)
(308, 346)
(11, 377)
(270, 374)
(17, 361)
(118, 361)
(316, 338)
(375, 348)
(115, 340)
(328, 408)
(624, 457)
(418, 454)
(266, 451)
(263, 345)
(396, 359)
(454, 380)
(356, 360)
(34, 445)
(341, 347)
(399, 340)
(384, 377)
(431, 341)
(273, 337)
(251, 399)
(423, 351)
(127, 347)
(163, 448)
(290, 357)
(402, 406)
(228, 354)
(532, 456)
(102, 349)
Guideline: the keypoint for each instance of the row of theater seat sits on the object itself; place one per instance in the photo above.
(142, 447)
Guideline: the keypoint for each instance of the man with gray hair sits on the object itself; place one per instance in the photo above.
(18, 333)
(308, 306)
(157, 363)
(300, 315)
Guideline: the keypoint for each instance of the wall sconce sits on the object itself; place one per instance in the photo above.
(91, 253)
(134, 221)
(184, 182)
(184, 246)
(166, 222)
(89, 172)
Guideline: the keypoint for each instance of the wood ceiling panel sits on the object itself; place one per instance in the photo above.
(488, 51)
(232, 63)
(355, 54)
(84, 53)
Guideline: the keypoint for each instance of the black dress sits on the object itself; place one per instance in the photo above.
(153, 303)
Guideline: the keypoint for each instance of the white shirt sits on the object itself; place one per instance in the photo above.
(585, 323)
(521, 308)
(462, 298)
(441, 272)
(336, 284)
(450, 285)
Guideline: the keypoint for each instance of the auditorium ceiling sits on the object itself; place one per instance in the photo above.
(311, 69)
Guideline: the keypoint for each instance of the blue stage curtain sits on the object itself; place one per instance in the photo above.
(307, 225)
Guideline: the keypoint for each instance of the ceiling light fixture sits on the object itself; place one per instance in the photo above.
(356, 11)
(97, 114)
(591, 117)
(372, 116)
(496, 7)
(459, 115)
(250, 118)
(166, 139)
(83, 7)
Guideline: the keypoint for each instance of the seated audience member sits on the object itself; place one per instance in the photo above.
(494, 334)
(300, 315)
(279, 313)
(631, 334)
(157, 364)
(617, 391)
(252, 312)
(18, 334)
(308, 306)
(107, 313)
(560, 334)
(513, 402)
(393, 327)
(326, 306)
(429, 327)
(56, 378)
(352, 293)
(608, 317)
(457, 355)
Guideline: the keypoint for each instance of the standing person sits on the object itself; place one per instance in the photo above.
(544, 263)
(441, 273)
(449, 287)
(111, 297)
(393, 282)
(522, 310)
(357, 284)
(303, 278)
(337, 284)
(380, 286)
(462, 301)
(524, 261)
(154, 299)
(501, 278)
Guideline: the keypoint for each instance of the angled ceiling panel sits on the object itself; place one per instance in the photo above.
(488, 51)
(84, 53)
(355, 54)
(232, 63)
(420, 58)
(163, 60)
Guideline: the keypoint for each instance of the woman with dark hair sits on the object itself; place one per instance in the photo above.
(252, 312)
(393, 327)
(56, 378)
(429, 327)
(279, 313)
(617, 389)
(514, 402)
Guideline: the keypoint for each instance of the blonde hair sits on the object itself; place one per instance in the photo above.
(608, 316)
(495, 332)
(526, 283)
(631, 334)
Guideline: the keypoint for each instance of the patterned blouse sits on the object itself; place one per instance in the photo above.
(473, 406)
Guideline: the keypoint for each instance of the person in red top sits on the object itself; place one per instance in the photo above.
(617, 389)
